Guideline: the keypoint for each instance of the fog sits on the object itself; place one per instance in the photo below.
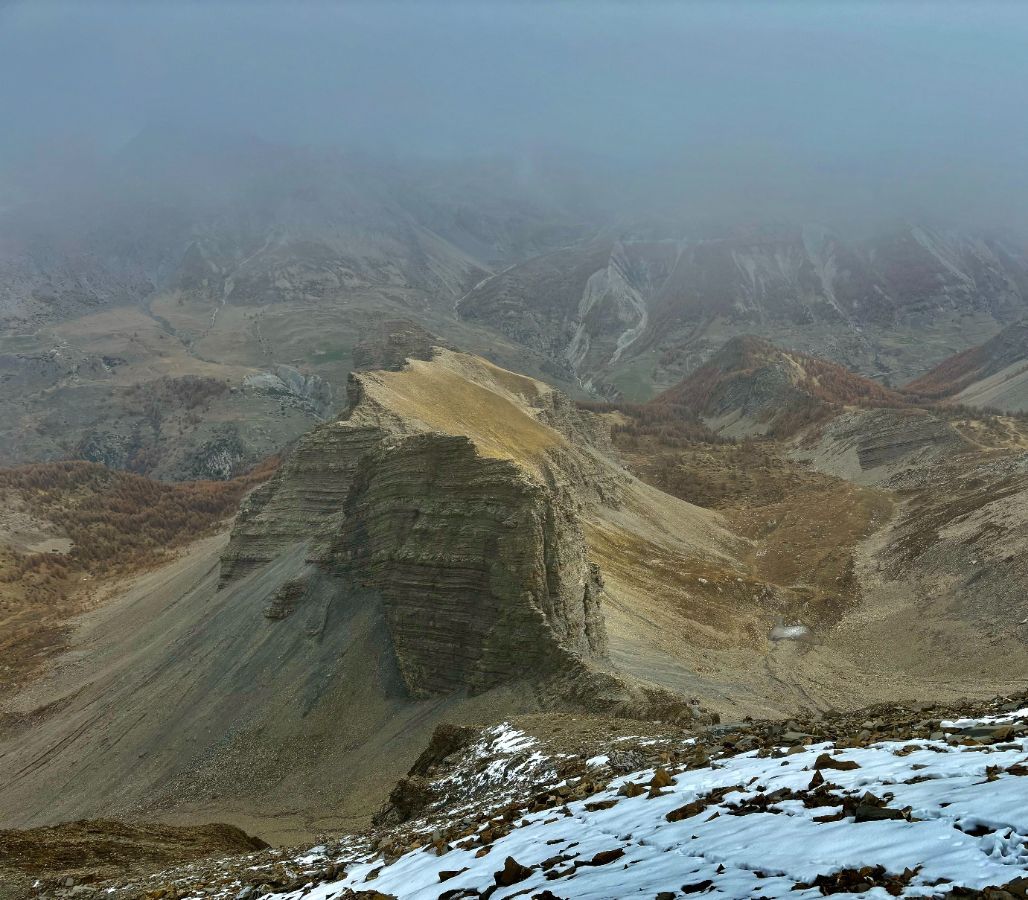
(748, 111)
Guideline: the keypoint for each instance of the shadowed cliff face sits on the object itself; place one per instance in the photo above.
(464, 499)
(482, 570)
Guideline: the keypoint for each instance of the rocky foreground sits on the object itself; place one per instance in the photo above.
(929, 801)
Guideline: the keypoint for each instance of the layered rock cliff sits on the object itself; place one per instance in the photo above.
(481, 569)
(450, 491)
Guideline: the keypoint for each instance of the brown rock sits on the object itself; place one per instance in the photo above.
(687, 811)
(447, 874)
(661, 779)
(600, 804)
(604, 857)
(511, 873)
(827, 761)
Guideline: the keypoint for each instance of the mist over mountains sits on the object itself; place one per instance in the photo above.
(460, 434)
(853, 114)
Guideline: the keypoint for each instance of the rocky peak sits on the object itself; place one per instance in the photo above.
(451, 493)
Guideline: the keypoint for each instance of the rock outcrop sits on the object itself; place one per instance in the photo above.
(481, 569)
(882, 446)
(450, 492)
(434, 555)
(309, 391)
(301, 501)
(394, 342)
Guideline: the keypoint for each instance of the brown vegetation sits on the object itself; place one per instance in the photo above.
(833, 383)
(668, 446)
(92, 850)
(743, 357)
(806, 525)
(815, 389)
(116, 522)
(638, 424)
(949, 377)
(183, 392)
(958, 372)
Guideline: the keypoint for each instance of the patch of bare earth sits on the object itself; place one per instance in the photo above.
(91, 851)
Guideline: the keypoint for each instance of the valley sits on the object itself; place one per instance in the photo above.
(146, 327)
(314, 528)
(667, 301)
(306, 472)
(465, 543)
(478, 451)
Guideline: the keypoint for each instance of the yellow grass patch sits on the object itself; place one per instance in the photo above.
(490, 409)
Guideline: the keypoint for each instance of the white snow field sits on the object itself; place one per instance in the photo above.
(968, 826)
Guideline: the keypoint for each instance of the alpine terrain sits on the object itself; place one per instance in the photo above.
(511, 450)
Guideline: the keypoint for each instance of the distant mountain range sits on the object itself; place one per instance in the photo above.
(243, 221)
(627, 315)
(223, 259)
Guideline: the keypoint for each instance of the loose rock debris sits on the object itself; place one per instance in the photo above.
(892, 801)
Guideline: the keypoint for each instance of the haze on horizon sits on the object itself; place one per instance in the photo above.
(839, 111)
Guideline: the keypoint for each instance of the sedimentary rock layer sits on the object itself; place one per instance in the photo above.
(478, 559)
(483, 576)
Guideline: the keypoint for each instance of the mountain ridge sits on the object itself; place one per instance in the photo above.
(752, 386)
(598, 305)
(992, 374)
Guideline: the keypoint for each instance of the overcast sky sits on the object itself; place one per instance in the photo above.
(922, 102)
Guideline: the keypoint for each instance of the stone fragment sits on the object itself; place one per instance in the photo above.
(827, 761)
(511, 873)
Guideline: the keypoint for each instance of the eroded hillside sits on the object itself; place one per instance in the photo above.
(423, 556)
(630, 317)
(464, 543)
(69, 532)
(994, 374)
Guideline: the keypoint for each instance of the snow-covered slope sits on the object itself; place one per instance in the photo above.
(752, 826)
(794, 817)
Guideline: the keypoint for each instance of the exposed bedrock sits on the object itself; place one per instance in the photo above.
(482, 568)
(883, 446)
(478, 561)
(889, 438)
(301, 500)
(482, 571)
